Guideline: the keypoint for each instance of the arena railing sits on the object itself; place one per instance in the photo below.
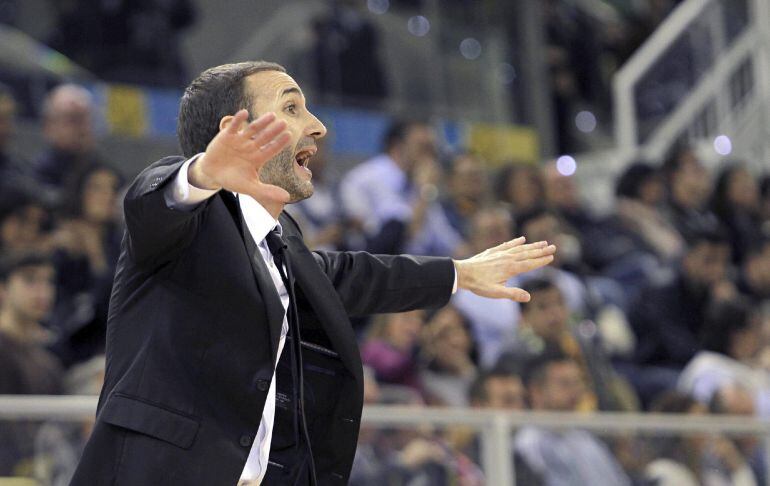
(495, 427)
(727, 90)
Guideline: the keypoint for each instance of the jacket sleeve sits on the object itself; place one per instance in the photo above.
(370, 284)
(156, 232)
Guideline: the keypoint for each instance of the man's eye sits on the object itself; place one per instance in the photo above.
(291, 109)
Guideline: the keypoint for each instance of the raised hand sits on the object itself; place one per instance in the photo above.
(234, 158)
(485, 274)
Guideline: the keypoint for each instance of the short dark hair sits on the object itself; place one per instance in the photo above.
(13, 261)
(711, 233)
(630, 183)
(398, 130)
(13, 200)
(536, 367)
(672, 401)
(535, 213)
(535, 284)
(477, 392)
(214, 94)
(722, 319)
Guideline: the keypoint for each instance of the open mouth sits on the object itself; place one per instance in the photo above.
(303, 156)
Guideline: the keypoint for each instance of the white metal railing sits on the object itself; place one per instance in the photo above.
(495, 427)
(707, 109)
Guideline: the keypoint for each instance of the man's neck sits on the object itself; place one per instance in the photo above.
(274, 208)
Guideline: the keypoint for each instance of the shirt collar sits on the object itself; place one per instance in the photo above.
(259, 221)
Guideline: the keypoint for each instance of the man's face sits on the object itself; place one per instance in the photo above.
(419, 145)
(547, 314)
(490, 228)
(562, 388)
(29, 292)
(468, 179)
(691, 184)
(506, 392)
(706, 263)
(69, 126)
(277, 92)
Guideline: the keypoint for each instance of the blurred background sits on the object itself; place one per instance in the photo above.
(634, 134)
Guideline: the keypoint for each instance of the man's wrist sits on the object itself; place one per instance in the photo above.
(197, 178)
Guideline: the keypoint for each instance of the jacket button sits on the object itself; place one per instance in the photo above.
(246, 440)
(263, 385)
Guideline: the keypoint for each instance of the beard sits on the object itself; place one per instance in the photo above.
(279, 171)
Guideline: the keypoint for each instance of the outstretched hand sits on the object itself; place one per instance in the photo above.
(485, 274)
(235, 156)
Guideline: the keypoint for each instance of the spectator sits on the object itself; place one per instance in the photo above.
(754, 278)
(69, 131)
(640, 196)
(521, 186)
(449, 358)
(468, 192)
(555, 383)
(125, 42)
(26, 367)
(695, 460)
(731, 340)
(493, 320)
(319, 216)
(345, 53)
(668, 317)
(689, 188)
(23, 220)
(388, 196)
(736, 203)
(545, 325)
(88, 245)
(498, 389)
(391, 348)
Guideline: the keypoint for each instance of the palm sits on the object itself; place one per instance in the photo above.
(235, 156)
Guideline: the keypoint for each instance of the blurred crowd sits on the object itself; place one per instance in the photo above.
(658, 305)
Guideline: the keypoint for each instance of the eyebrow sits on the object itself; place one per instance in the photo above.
(289, 91)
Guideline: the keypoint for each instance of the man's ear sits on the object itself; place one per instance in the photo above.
(225, 122)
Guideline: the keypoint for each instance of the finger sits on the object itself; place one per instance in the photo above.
(526, 248)
(273, 147)
(502, 292)
(258, 125)
(267, 135)
(236, 122)
(509, 244)
(532, 264)
(534, 253)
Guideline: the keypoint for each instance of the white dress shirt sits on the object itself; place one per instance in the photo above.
(183, 196)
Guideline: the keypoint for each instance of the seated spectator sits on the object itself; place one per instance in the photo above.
(640, 195)
(498, 389)
(555, 383)
(731, 340)
(468, 192)
(754, 277)
(390, 349)
(694, 460)
(26, 367)
(392, 197)
(449, 358)
(86, 254)
(320, 216)
(545, 325)
(736, 203)
(493, 320)
(688, 184)
(521, 186)
(69, 132)
(668, 317)
(563, 197)
(23, 220)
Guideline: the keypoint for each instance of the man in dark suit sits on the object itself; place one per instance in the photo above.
(205, 383)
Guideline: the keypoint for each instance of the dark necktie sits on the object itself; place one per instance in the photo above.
(281, 257)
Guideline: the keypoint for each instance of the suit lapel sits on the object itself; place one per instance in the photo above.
(326, 304)
(273, 306)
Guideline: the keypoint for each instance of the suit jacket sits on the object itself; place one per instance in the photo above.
(192, 336)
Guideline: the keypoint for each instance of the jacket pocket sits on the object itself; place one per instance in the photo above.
(151, 419)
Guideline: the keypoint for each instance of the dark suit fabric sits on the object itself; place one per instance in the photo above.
(192, 335)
